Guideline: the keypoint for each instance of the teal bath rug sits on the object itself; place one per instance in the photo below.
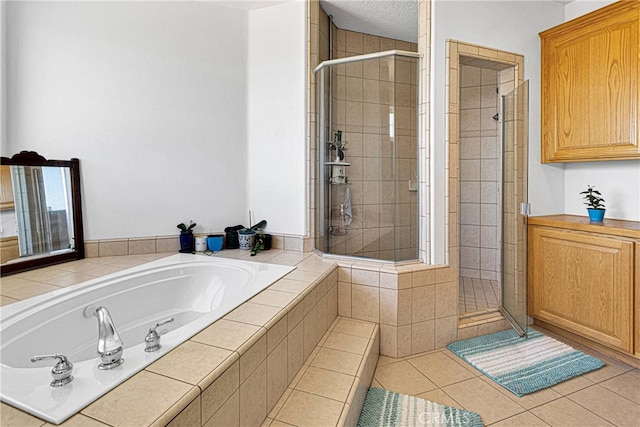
(524, 365)
(386, 408)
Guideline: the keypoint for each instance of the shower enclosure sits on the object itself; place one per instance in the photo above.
(366, 179)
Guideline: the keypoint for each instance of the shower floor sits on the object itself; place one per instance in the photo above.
(477, 295)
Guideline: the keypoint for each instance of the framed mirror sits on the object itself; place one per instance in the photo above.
(40, 212)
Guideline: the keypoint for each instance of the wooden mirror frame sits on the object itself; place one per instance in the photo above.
(31, 158)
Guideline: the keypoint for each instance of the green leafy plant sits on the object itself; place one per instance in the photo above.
(259, 244)
(184, 229)
(592, 197)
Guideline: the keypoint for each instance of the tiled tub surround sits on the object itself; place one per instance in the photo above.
(415, 304)
(232, 373)
(164, 244)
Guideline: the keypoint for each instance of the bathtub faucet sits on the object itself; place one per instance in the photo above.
(109, 342)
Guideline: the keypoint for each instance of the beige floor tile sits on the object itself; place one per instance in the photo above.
(528, 401)
(336, 360)
(626, 385)
(385, 360)
(440, 369)
(350, 343)
(635, 373)
(333, 385)
(440, 397)
(354, 327)
(572, 385)
(525, 419)
(140, 400)
(565, 413)
(305, 409)
(276, 408)
(478, 396)
(608, 405)
(612, 369)
(403, 378)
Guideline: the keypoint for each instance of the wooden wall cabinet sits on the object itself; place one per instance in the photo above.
(582, 278)
(590, 86)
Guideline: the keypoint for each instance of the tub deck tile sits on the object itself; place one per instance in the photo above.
(193, 363)
(144, 399)
(227, 334)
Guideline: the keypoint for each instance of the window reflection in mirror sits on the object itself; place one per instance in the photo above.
(40, 212)
(44, 220)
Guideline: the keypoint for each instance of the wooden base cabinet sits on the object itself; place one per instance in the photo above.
(583, 282)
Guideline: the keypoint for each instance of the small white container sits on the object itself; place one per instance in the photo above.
(201, 243)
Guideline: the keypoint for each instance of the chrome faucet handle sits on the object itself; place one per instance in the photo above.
(152, 340)
(61, 372)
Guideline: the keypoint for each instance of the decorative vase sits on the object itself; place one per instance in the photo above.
(214, 242)
(186, 242)
(246, 239)
(596, 215)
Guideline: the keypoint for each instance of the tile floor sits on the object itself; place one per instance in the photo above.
(609, 396)
(477, 294)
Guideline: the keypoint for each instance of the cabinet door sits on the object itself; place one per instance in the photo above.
(590, 86)
(583, 283)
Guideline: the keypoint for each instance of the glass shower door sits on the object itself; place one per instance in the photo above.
(515, 207)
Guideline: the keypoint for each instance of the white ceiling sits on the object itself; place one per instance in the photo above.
(396, 19)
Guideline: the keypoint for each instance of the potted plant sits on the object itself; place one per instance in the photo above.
(186, 236)
(595, 205)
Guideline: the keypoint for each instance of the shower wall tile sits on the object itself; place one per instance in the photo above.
(479, 251)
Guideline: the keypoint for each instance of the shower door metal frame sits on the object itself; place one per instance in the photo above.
(321, 135)
(514, 263)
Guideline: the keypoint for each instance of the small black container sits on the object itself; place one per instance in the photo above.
(231, 236)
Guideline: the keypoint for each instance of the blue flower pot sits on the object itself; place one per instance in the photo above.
(596, 215)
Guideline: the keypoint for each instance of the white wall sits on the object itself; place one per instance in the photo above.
(150, 96)
(580, 7)
(618, 181)
(4, 148)
(512, 26)
(277, 115)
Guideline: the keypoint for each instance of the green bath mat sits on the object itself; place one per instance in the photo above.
(524, 365)
(386, 408)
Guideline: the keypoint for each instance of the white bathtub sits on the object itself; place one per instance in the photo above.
(196, 290)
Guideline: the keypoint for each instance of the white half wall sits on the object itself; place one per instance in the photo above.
(276, 119)
(150, 96)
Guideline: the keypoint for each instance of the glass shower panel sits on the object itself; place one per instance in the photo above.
(515, 132)
(367, 153)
